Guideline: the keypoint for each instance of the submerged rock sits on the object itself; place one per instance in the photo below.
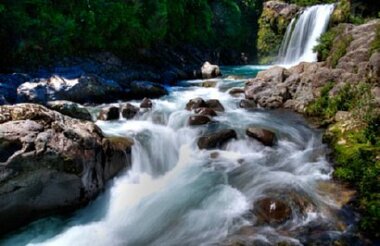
(71, 109)
(197, 120)
(215, 140)
(236, 91)
(51, 163)
(264, 136)
(271, 211)
(247, 104)
(205, 111)
(110, 113)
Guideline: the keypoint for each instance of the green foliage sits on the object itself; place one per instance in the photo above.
(375, 46)
(356, 145)
(35, 31)
(332, 45)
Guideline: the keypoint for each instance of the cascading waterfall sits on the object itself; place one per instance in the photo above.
(302, 35)
(176, 194)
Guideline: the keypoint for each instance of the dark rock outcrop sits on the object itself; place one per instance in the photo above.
(51, 163)
(216, 140)
(109, 113)
(215, 105)
(71, 109)
(205, 111)
(197, 120)
(264, 136)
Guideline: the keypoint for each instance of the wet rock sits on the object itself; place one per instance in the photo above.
(110, 113)
(146, 103)
(209, 84)
(140, 89)
(216, 140)
(271, 211)
(264, 136)
(215, 105)
(196, 103)
(71, 109)
(87, 88)
(205, 111)
(247, 104)
(51, 163)
(210, 71)
(129, 111)
(236, 91)
(197, 120)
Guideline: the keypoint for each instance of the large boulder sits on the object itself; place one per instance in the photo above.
(215, 105)
(209, 70)
(216, 140)
(205, 111)
(51, 163)
(264, 136)
(74, 110)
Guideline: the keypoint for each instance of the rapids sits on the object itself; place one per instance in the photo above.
(176, 194)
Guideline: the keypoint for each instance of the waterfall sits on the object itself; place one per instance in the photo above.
(302, 35)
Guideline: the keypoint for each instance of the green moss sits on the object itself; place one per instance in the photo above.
(332, 45)
(375, 46)
(356, 146)
(341, 12)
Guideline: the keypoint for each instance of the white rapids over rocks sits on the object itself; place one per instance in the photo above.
(176, 194)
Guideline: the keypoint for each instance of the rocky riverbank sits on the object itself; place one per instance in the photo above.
(342, 94)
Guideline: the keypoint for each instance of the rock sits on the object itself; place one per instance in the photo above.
(271, 211)
(146, 103)
(110, 113)
(215, 105)
(274, 75)
(210, 71)
(51, 163)
(195, 103)
(342, 116)
(236, 91)
(216, 140)
(374, 63)
(141, 89)
(264, 136)
(376, 95)
(209, 84)
(196, 120)
(71, 109)
(87, 88)
(247, 104)
(205, 111)
(129, 111)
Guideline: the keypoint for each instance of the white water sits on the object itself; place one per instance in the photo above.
(302, 35)
(176, 194)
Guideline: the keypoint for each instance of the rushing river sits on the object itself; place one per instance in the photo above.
(176, 194)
